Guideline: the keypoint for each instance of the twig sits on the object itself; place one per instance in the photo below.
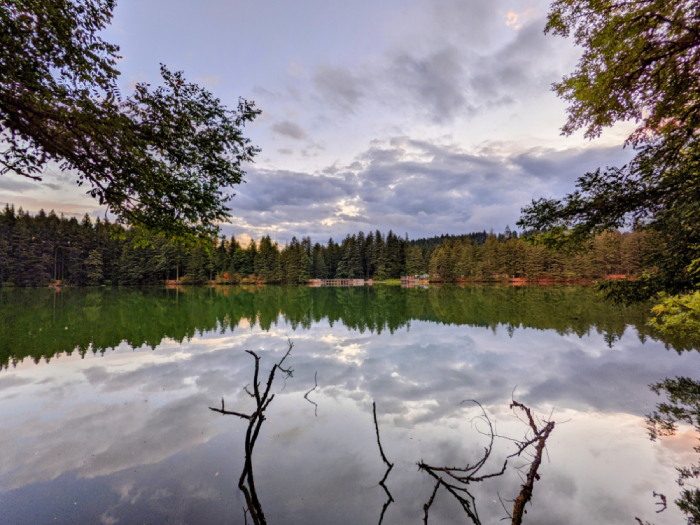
(226, 412)
(504, 507)
(306, 395)
(426, 507)
(663, 502)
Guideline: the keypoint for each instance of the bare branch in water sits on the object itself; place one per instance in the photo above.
(458, 478)
(255, 420)
(541, 435)
(426, 507)
(223, 411)
(306, 395)
(389, 465)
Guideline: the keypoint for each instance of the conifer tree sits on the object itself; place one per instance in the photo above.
(318, 263)
(94, 268)
(414, 261)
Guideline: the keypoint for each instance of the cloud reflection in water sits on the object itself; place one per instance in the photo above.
(132, 429)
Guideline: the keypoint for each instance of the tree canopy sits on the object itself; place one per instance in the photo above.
(641, 63)
(159, 158)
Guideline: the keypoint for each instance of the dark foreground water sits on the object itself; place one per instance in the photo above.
(104, 396)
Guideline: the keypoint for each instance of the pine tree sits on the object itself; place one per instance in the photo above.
(318, 263)
(414, 261)
(267, 261)
(94, 266)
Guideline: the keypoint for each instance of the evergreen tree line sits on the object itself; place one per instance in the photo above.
(38, 249)
(609, 253)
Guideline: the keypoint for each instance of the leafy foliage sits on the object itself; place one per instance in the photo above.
(678, 318)
(159, 159)
(641, 62)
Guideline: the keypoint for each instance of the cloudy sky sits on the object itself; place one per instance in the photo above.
(423, 116)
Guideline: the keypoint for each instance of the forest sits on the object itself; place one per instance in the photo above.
(36, 250)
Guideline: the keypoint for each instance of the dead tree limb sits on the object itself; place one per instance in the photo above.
(255, 420)
(456, 479)
(389, 465)
(540, 438)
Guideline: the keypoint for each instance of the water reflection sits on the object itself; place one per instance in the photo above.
(681, 408)
(126, 437)
(457, 481)
(40, 324)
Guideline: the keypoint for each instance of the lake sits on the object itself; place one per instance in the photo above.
(104, 398)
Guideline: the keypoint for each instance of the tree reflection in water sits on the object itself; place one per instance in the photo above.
(41, 324)
(455, 480)
(682, 406)
(389, 466)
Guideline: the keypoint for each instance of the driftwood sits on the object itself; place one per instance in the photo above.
(389, 466)
(255, 420)
(457, 479)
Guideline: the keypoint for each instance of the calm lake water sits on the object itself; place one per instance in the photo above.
(104, 398)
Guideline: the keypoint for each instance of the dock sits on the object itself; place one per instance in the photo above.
(337, 282)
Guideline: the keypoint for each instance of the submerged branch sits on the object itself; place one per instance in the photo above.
(390, 498)
(541, 435)
(262, 400)
(307, 394)
(460, 477)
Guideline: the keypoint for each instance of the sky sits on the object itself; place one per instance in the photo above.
(424, 117)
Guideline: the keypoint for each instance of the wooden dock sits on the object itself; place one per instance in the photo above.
(337, 282)
(410, 279)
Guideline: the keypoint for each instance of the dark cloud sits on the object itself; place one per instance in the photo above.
(435, 82)
(453, 75)
(8, 382)
(259, 90)
(338, 86)
(16, 184)
(289, 129)
(515, 71)
(421, 187)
